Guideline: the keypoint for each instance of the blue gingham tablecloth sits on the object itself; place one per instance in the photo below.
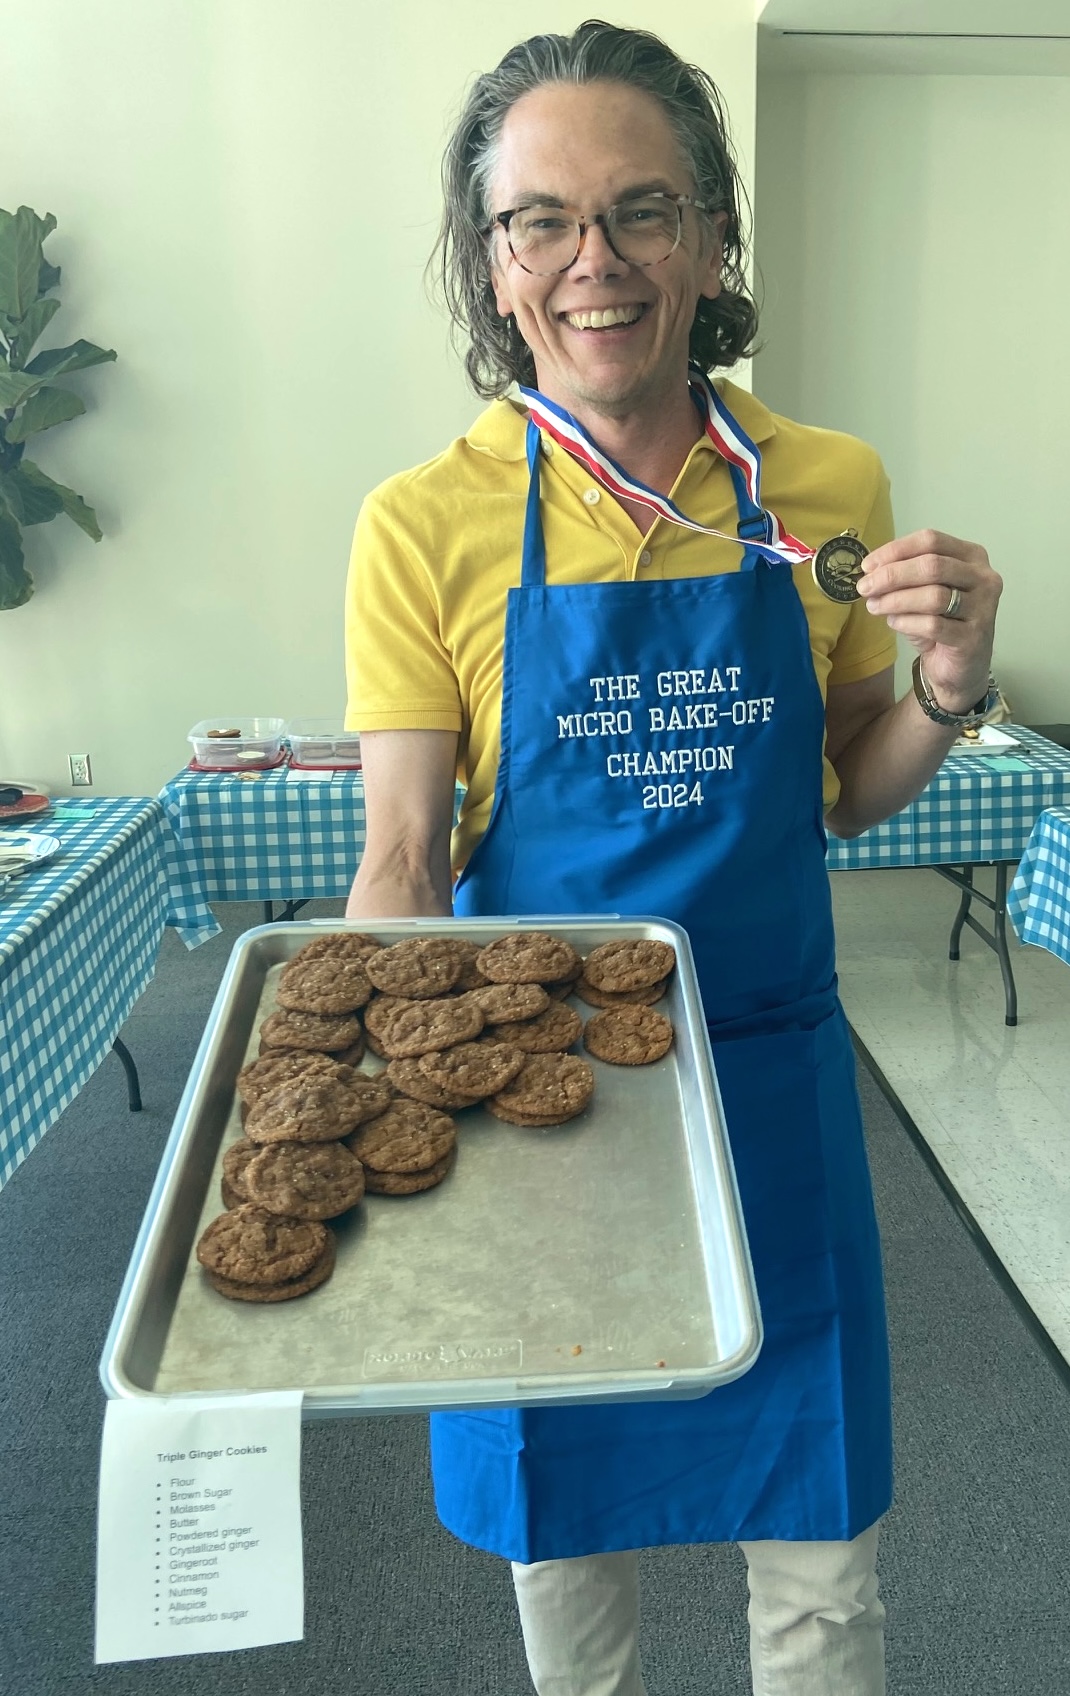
(78, 945)
(268, 836)
(1038, 900)
(978, 807)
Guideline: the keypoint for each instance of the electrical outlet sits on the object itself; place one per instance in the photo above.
(81, 771)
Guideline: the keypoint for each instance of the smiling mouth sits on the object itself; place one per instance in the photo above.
(607, 318)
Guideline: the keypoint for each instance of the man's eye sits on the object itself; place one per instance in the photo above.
(542, 221)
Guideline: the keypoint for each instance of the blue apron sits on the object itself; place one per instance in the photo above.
(661, 754)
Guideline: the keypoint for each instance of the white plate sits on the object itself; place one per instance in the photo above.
(26, 848)
(991, 740)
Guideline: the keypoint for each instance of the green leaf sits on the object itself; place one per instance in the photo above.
(16, 386)
(47, 407)
(47, 278)
(25, 331)
(21, 235)
(57, 361)
(25, 498)
(16, 584)
(73, 505)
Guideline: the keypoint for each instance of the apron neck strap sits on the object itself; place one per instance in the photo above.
(533, 559)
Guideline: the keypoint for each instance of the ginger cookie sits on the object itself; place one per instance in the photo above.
(408, 1183)
(251, 1246)
(322, 1032)
(420, 968)
(550, 1033)
(548, 1090)
(317, 1274)
(351, 1056)
(532, 956)
(623, 997)
(559, 991)
(316, 1110)
(504, 1003)
(379, 1009)
(409, 1079)
(330, 985)
(348, 945)
(471, 977)
(428, 1025)
(617, 966)
(628, 1036)
(475, 1069)
(235, 1161)
(282, 1066)
(305, 1180)
(408, 1137)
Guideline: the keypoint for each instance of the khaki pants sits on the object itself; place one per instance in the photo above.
(816, 1626)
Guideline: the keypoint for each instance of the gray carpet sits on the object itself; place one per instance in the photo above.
(976, 1554)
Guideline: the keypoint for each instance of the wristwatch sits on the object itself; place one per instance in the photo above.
(931, 707)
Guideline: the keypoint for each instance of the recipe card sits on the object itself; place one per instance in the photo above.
(199, 1528)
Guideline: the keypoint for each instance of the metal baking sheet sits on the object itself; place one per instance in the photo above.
(600, 1259)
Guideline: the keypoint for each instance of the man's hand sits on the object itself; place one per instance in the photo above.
(910, 582)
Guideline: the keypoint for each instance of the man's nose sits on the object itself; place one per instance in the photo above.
(596, 258)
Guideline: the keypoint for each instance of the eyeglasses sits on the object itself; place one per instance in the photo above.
(642, 231)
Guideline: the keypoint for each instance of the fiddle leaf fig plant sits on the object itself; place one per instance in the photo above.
(31, 400)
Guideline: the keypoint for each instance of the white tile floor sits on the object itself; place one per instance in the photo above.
(993, 1103)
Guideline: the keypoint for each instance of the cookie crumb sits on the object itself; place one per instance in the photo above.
(576, 1348)
(659, 1363)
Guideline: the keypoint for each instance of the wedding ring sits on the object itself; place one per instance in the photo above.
(952, 608)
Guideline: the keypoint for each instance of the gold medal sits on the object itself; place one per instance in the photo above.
(837, 566)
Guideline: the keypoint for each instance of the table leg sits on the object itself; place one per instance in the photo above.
(289, 911)
(996, 938)
(1000, 926)
(963, 913)
(133, 1087)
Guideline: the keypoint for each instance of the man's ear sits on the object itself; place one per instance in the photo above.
(710, 284)
(502, 295)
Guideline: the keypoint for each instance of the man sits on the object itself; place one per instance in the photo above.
(581, 547)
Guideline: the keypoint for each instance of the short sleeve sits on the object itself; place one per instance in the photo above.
(398, 672)
(865, 645)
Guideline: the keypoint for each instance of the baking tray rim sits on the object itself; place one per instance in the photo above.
(332, 1400)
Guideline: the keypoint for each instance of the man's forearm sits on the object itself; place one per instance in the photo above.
(883, 767)
(394, 891)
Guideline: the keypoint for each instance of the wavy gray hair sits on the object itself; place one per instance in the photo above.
(497, 355)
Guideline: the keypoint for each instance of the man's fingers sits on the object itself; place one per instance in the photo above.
(933, 598)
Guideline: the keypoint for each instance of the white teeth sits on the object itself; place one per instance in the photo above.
(604, 320)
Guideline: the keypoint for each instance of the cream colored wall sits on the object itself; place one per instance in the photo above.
(913, 235)
(276, 358)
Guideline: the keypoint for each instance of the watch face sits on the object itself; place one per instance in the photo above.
(838, 566)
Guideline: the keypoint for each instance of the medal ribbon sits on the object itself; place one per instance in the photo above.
(731, 442)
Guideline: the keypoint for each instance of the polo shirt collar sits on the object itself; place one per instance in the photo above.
(500, 430)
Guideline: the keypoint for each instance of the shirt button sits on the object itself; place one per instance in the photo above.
(548, 449)
(645, 557)
(592, 496)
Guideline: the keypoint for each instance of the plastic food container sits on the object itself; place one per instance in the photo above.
(237, 744)
(322, 742)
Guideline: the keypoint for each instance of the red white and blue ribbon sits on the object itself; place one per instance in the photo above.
(731, 442)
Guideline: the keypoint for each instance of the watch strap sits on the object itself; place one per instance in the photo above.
(931, 707)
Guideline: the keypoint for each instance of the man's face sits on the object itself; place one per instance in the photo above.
(587, 148)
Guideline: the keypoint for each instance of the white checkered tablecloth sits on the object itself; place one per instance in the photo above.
(269, 836)
(1038, 900)
(78, 944)
(978, 807)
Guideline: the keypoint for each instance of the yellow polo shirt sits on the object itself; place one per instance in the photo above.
(437, 548)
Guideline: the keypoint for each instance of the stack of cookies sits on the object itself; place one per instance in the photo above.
(457, 1025)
